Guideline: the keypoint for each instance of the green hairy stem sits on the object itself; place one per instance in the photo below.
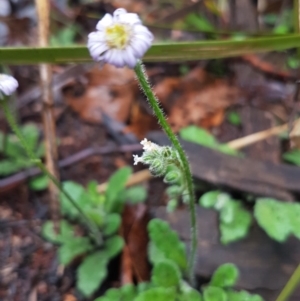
(143, 80)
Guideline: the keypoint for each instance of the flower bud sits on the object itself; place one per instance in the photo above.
(172, 177)
(172, 205)
(167, 152)
(174, 191)
(157, 167)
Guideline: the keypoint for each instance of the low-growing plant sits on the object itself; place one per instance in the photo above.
(104, 210)
(234, 219)
(277, 218)
(13, 156)
(168, 256)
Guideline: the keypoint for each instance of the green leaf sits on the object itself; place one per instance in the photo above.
(39, 183)
(199, 22)
(92, 272)
(8, 167)
(116, 185)
(136, 194)
(226, 149)
(157, 294)
(66, 232)
(97, 198)
(128, 292)
(272, 216)
(171, 248)
(235, 222)
(79, 195)
(13, 148)
(293, 62)
(144, 286)
(209, 199)
(293, 213)
(225, 276)
(113, 246)
(112, 224)
(242, 296)
(192, 295)
(166, 274)
(198, 135)
(64, 37)
(163, 52)
(212, 293)
(31, 134)
(187, 293)
(72, 248)
(96, 215)
(234, 118)
(292, 157)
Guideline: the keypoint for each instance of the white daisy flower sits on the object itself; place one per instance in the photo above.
(120, 39)
(8, 84)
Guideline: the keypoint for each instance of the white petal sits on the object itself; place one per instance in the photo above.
(8, 84)
(106, 21)
(116, 58)
(136, 159)
(129, 58)
(143, 30)
(130, 18)
(118, 12)
(107, 56)
(96, 44)
(139, 47)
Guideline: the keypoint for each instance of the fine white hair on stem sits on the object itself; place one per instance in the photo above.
(8, 84)
(120, 39)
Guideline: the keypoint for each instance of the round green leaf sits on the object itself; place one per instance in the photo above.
(166, 274)
(225, 275)
(209, 199)
(272, 216)
(92, 272)
(212, 293)
(157, 294)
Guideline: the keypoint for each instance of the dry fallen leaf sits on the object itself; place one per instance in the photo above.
(197, 98)
(134, 257)
(109, 90)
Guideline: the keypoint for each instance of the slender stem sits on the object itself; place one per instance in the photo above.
(12, 122)
(290, 286)
(143, 80)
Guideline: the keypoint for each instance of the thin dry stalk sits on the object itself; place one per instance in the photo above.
(256, 137)
(43, 12)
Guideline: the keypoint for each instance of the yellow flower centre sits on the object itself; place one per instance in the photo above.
(117, 36)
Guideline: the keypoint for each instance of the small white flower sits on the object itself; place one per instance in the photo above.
(148, 145)
(8, 84)
(136, 159)
(120, 39)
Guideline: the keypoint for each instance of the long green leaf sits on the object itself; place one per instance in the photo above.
(179, 51)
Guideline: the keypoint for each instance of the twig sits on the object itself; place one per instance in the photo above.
(43, 11)
(10, 182)
(256, 137)
(134, 179)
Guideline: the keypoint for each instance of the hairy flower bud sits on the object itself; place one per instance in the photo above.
(157, 167)
(172, 177)
(174, 191)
